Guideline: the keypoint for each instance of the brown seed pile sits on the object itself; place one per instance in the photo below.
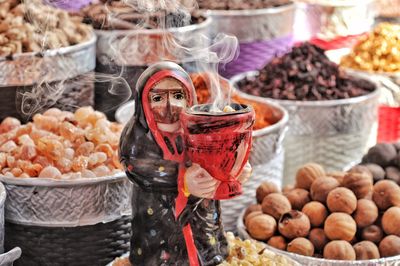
(30, 26)
(377, 52)
(341, 216)
(60, 145)
(305, 74)
(118, 15)
(240, 4)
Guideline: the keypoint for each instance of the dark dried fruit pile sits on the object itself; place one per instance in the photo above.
(240, 4)
(305, 74)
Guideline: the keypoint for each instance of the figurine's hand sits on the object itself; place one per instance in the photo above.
(246, 173)
(200, 183)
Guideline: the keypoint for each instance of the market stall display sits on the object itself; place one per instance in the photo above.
(331, 113)
(65, 188)
(332, 217)
(46, 59)
(333, 24)
(264, 29)
(129, 40)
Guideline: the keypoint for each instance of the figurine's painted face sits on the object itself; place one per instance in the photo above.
(167, 99)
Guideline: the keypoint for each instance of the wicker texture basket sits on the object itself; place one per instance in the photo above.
(84, 245)
(71, 222)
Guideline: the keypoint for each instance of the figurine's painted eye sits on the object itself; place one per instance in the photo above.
(179, 95)
(157, 98)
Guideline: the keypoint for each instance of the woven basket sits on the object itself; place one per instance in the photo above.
(332, 133)
(73, 222)
(262, 34)
(33, 82)
(84, 245)
(127, 53)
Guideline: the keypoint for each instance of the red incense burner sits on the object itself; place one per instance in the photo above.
(220, 143)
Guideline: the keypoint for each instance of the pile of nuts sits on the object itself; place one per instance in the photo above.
(339, 215)
(240, 4)
(305, 74)
(379, 51)
(30, 26)
(119, 15)
(60, 145)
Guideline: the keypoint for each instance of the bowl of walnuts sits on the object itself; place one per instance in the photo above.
(336, 218)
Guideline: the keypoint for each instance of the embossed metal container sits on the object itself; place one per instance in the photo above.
(304, 260)
(68, 222)
(63, 77)
(266, 158)
(333, 133)
(127, 53)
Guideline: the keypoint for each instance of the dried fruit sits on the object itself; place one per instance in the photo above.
(301, 246)
(261, 227)
(381, 154)
(372, 233)
(339, 176)
(366, 250)
(340, 226)
(294, 224)
(275, 204)
(304, 74)
(390, 221)
(297, 197)
(377, 171)
(360, 183)
(307, 174)
(250, 216)
(287, 188)
(321, 187)
(318, 238)
(389, 246)
(278, 242)
(316, 212)
(339, 250)
(393, 173)
(342, 200)
(264, 189)
(366, 213)
(250, 209)
(386, 194)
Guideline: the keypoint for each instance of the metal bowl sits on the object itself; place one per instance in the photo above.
(66, 203)
(333, 133)
(304, 260)
(50, 65)
(253, 25)
(144, 47)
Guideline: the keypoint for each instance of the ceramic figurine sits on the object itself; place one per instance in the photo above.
(175, 217)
